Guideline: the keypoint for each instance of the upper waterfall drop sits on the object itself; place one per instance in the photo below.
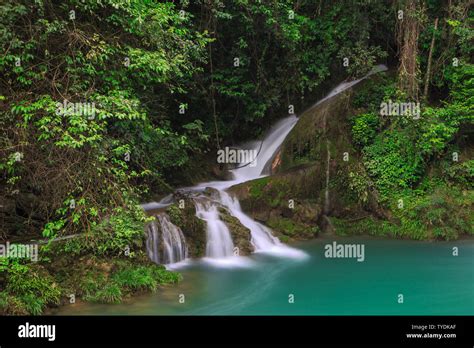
(265, 150)
(269, 146)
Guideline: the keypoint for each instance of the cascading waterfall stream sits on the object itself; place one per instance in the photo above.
(153, 242)
(219, 241)
(261, 236)
(268, 148)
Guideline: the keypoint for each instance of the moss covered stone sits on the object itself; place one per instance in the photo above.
(194, 229)
(292, 229)
(241, 235)
(281, 202)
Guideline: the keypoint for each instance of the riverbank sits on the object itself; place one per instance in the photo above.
(37, 288)
(106, 265)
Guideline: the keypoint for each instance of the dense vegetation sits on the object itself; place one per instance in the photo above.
(170, 82)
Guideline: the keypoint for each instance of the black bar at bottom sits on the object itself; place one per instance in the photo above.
(222, 330)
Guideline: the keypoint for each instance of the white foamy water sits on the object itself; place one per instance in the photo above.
(268, 148)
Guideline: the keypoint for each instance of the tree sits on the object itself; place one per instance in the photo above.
(410, 17)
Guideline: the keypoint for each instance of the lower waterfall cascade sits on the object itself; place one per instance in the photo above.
(166, 247)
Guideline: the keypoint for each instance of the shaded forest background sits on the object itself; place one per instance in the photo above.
(167, 90)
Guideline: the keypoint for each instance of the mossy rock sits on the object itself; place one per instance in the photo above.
(291, 229)
(241, 235)
(194, 229)
(280, 202)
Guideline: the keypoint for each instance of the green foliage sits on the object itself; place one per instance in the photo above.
(29, 288)
(285, 52)
(393, 161)
(359, 184)
(122, 233)
(90, 283)
(95, 287)
(435, 132)
(397, 156)
(361, 58)
(128, 278)
(364, 128)
(461, 173)
(109, 293)
(175, 215)
(443, 214)
(453, 55)
(112, 57)
(365, 227)
(33, 284)
(373, 92)
(123, 229)
(437, 212)
(144, 277)
(138, 278)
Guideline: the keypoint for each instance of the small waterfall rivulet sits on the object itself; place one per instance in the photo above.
(219, 241)
(328, 172)
(165, 242)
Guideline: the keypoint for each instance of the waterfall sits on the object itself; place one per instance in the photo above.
(266, 149)
(345, 85)
(219, 241)
(152, 242)
(165, 242)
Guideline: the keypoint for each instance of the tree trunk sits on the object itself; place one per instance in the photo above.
(408, 31)
(430, 55)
